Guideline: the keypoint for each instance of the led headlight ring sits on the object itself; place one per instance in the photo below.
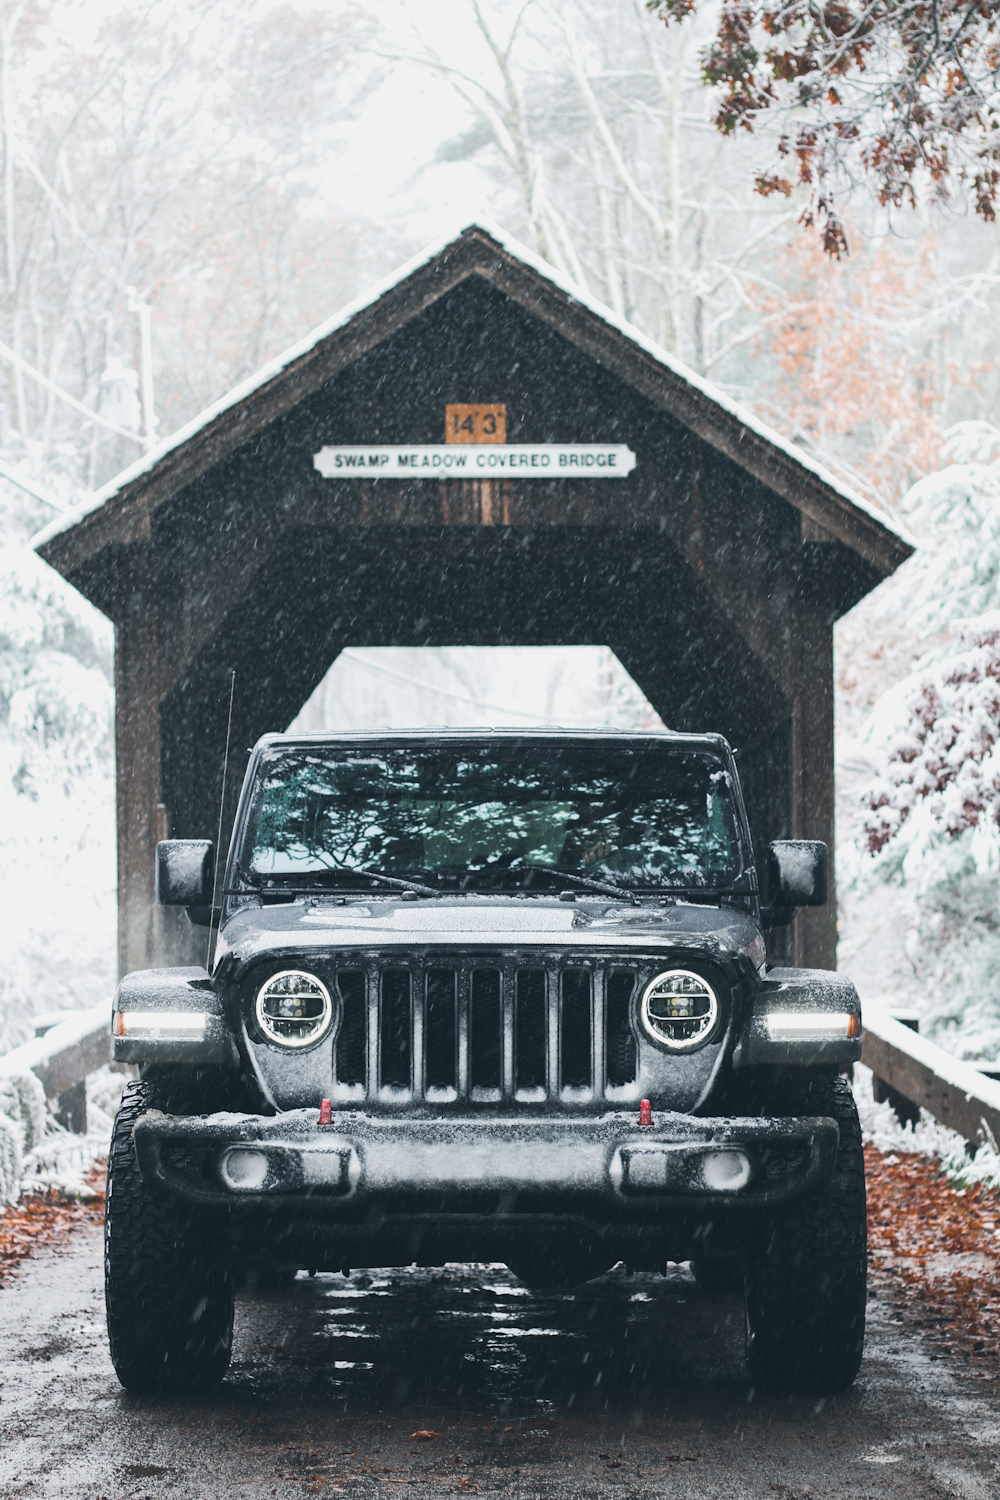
(679, 1010)
(293, 1009)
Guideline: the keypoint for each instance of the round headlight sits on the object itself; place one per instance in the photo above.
(679, 1010)
(294, 1009)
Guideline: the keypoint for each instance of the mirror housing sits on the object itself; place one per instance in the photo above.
(796, 873)
(184, 872)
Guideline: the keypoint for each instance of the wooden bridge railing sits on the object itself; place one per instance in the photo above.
(957, 1093)
(62, 1057)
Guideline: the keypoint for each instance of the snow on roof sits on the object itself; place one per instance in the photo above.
(527, 257)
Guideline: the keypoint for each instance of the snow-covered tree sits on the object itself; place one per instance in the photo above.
(175, 149)
(945, 755)
(901, 90)
(57, 843)
(919, 874)
(587, 118)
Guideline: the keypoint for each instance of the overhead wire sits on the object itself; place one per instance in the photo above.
(35, 490)
(50, 385)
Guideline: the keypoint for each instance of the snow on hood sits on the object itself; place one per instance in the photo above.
(470, 922)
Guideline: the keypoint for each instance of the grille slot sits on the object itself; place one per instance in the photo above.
(396, 1044)
(486, 1042)
(529, 1029)
(351, 1047)
(575, 1029)
(619, 1045)
(441, 1029)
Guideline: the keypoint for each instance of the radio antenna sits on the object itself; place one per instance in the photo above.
(218, 837)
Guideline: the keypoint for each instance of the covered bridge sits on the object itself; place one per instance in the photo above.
(612, 498)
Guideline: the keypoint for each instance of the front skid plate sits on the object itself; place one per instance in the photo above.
(604, 1170)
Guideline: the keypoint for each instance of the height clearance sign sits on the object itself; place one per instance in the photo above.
(478, 461)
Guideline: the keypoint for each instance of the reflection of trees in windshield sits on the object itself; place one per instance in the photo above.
(640, 816)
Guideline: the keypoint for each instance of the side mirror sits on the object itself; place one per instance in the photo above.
(796, 873)
(184, 872)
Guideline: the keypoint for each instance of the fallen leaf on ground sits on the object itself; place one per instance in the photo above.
(934, 1252)
(47, 1219)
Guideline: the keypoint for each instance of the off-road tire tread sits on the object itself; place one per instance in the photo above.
(169, 1303)
(717, 1278)
(807, 1290)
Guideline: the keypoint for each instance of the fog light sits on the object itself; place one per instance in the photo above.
(245, 1169)
(725, 1171)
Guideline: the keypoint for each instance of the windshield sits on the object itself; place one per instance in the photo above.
(493, 817)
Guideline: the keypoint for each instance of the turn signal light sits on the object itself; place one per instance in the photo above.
(645, 1112)
(325, 1117)
(160, 1025)
(812, 1026)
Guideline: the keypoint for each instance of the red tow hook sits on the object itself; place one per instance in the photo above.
(325, 1118)
(645, 1112)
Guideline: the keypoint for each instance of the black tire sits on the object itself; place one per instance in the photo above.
(169, 1303)
(557, 1268)
(717, 1278)
(807, 1288)
(268, 1279)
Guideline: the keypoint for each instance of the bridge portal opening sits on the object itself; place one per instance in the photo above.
(408, 687)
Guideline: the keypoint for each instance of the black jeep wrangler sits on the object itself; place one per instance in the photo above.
(488, 996)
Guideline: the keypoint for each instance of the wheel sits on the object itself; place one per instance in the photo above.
(169, 1303)
(269, 1279)
(717, 1277)
(807, 1287)
(558, 1268)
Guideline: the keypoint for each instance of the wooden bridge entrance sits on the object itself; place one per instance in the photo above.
(714, 563)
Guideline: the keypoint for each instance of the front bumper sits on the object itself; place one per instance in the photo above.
(604, 1170)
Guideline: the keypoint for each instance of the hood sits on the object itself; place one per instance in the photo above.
(321, 924)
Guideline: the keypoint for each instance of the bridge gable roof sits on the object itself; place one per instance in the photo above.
(121, 510)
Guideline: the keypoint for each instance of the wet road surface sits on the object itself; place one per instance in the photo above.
(631, 1388)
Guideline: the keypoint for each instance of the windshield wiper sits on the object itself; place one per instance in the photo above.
(326, 890)
(403, 885)
(606, 887)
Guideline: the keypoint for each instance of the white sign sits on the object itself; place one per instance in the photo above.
(478, 461)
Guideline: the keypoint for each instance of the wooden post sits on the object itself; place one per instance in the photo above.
(137, 748)
(815, 933)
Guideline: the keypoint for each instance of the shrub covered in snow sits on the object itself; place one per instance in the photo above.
(11, 1156)
(23, 1125)
(22, 1100)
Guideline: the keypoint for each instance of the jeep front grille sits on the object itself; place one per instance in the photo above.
(486, 1030)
